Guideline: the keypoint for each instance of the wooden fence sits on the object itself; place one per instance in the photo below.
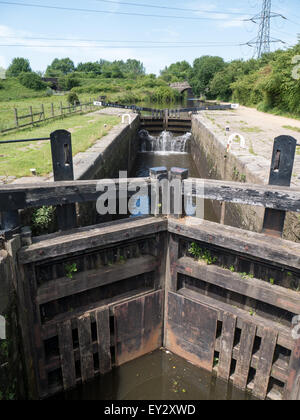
(37, 116)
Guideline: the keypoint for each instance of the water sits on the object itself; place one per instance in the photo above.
(169, 150)
(165, 142)
(157, 376)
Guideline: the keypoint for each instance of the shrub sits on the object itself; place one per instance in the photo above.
(68, 82)
(73, 98)
(43, 220)
(32, 81)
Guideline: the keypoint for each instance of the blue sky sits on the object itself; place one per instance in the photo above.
(18, 24)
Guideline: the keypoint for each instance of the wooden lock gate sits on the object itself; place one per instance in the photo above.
(96, 297)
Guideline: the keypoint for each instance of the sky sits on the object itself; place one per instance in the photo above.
(113, 30)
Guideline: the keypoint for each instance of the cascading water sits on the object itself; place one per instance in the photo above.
(165, 142)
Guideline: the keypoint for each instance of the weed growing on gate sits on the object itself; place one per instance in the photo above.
(202, 255)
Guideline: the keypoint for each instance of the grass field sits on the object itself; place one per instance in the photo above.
(125, 91)
(18, 158)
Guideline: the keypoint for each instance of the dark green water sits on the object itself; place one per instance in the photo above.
(157, 376)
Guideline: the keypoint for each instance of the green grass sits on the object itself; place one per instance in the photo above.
(18, 159)
(7, 116)
(124, 91)
(289, 127)
(251, 129)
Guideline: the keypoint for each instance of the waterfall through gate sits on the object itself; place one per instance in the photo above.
(165, 142)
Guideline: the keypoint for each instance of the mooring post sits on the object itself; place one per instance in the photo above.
(280, 175)
(157, 175)
(177, 199)
(62, 161)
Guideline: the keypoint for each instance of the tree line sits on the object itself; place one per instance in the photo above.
(270, 83)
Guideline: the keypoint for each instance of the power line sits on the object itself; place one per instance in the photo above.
(217, 12)
(121, 46)
(73, 9)
(107, 40)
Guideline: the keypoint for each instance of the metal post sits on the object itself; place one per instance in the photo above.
(280, 175)
(62, 161)
(177, 176)
(61, 109)
(157, 175)
(43, 112)
(52, 110)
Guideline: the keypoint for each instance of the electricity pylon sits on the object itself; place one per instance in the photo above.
(263, 41)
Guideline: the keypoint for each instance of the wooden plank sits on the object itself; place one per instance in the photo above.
(173, 253)
(103, 334)
(82, 239)
(57, 289)
(244, 360)
(284, 334)
(138, 327)
(274, 197)
(86, 348)
(227, 341)
(191, 330)
(279, 198)
(257, 289)
(292, 389)
(257, 245)
(64, 192)
(279, 368)
(265, 362)
(66, 351)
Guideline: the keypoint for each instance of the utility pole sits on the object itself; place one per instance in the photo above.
(263, 41)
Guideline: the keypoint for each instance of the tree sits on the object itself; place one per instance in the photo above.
(68, 82)
(60, 67)
(32, 81)
(89, 67)
(134, 68)
(203, 71)
(19, 65)
(177, 72)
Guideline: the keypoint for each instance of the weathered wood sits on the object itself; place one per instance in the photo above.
(265, 362)
(279, 198)
(61, 244)
(103, 334)
(49, 328)
(292, 389)
(173, 253)
(246, 286)
(57, 289)
(227, 341)
(61, 192)
(279, 368)
(66, 351)
(257, 245)
(284, 334)
(274, 197)
(191, 330)
(86, 348)
(246, 347)
(138, 327)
